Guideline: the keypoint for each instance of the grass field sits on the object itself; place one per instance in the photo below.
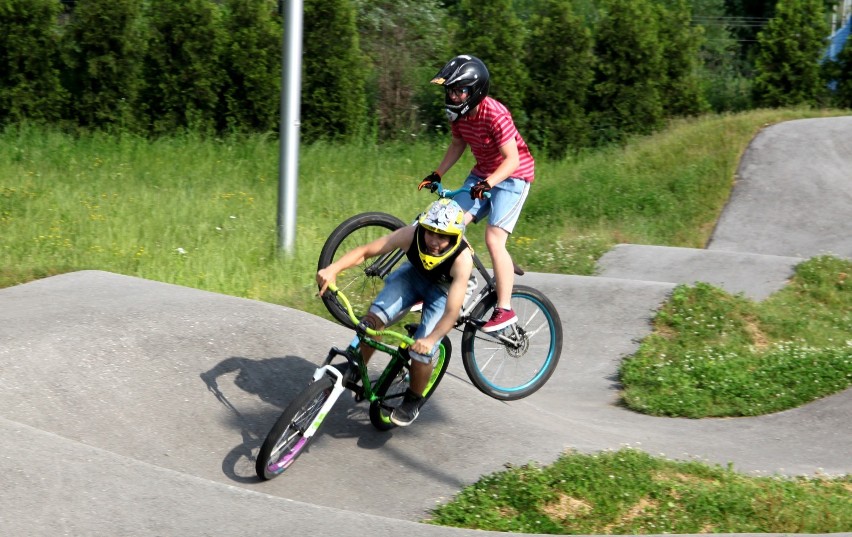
(202, 213)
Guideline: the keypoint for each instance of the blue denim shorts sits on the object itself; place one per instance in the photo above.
(404, 288)
(504, 206)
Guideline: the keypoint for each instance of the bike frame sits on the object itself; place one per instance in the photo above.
(358, 361)
(364, 335)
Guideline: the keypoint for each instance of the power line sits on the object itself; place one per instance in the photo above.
(735, 22)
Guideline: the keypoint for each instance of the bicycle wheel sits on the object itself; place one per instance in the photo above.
(286, 440)
(390, 392)
(362, 283)
(514, 363)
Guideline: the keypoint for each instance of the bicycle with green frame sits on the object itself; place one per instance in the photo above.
(299, 423)
(507, 365)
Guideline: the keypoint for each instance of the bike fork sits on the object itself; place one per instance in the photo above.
(336, 390)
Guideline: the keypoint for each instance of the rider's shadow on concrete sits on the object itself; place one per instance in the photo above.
(277, 381)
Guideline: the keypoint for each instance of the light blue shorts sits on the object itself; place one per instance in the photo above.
(504, 206)
(404, 288)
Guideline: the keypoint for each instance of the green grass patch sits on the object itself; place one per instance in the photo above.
(714, 354)
(628, 492)
(202, 212)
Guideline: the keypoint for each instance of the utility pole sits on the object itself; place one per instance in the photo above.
(291, 87)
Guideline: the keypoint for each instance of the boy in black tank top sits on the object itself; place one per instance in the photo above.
(436, 273)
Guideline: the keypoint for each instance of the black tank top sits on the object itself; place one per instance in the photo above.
(439, 274)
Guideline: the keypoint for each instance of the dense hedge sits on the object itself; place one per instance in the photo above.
(574, 74)
(30, 87)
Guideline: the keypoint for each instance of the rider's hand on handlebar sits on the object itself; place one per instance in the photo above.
(479, 189)
(324, 279)
(423, 346)
(431, 182)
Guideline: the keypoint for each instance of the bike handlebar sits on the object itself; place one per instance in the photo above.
(332, 288)
(447, 193)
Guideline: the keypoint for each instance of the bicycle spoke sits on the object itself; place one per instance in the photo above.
(516, 361)
(532, 333)
(361, 283)
(286, 440)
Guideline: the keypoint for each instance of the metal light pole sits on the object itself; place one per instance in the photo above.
(288, 161)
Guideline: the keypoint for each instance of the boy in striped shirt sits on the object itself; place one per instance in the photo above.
(504, 167)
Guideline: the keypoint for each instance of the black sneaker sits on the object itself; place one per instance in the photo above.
(407, 411)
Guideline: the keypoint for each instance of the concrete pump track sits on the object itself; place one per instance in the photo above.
(131, 407)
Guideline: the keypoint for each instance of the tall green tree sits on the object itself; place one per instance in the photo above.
(399, 96)
(789, 50)
(561, 69)
(102, 50)
(492, 31)
(723, 73)
(333, 93)
(182, 68)
(252, 62)
(629, 79)
(681, 42)
(30, 86)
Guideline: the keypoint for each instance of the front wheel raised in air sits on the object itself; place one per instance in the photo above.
(361, 284)
(516, 361)
(391, 390)
(287, 440)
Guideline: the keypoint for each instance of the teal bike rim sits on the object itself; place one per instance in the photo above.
(543, 370)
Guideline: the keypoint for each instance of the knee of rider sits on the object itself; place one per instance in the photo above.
(371, 320)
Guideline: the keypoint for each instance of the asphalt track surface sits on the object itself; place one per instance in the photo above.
(131, 407)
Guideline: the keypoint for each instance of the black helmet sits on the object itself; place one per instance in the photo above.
(463, 71)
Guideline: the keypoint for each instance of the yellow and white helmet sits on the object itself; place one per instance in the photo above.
(445, 217)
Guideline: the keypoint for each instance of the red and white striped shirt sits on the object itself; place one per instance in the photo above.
(485, 132)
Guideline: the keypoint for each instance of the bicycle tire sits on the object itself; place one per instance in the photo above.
(507, 372)
(395, 384)
(286, 440)
(360, 283)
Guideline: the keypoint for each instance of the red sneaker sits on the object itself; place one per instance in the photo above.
(500, 319)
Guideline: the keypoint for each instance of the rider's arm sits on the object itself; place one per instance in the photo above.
(454, 152)
(511, 161)
(401, 238)
(460, 273)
